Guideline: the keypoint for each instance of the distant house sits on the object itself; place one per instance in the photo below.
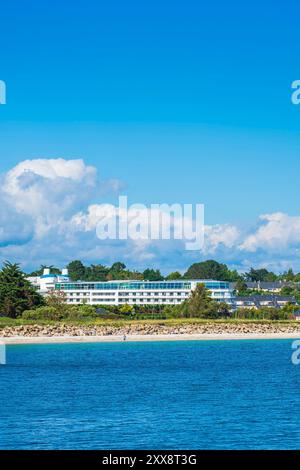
(266, 286)
(272, 287)
(261, 301)
(297, 315)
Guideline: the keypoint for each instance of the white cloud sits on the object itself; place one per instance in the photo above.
(277, 232)
(50, 209)
(51, 190)
(15, 229)
(220, 235)
(47, 188)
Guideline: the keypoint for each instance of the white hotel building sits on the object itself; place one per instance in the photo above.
(140, 292)
(129, 292)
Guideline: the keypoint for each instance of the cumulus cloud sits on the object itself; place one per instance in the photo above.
(276, 232)
(15, 229)
(49, 187)
(216, 236)
(51, 190)
(50, 209)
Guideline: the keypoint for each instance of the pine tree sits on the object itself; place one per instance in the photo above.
(16, 292)
(241, 286)
(201, 304)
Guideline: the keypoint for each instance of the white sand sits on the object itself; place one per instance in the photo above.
(131, 338)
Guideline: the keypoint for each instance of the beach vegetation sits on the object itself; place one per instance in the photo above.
(267, 313)
(42, 313)
(78, 312)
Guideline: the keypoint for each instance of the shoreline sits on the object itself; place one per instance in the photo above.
(15, 340)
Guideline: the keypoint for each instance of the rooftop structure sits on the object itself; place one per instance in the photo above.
(260, 301)
(46, 282)
(274, 287)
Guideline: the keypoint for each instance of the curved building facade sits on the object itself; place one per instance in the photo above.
(141, 292)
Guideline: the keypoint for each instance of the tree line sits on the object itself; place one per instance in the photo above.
(209, 269)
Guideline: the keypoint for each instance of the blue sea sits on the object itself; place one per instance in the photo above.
(154, 395)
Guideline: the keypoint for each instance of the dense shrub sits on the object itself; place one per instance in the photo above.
(266, 313)
(81, 312)
(42, 313)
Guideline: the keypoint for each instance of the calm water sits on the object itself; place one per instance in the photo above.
(165, 395)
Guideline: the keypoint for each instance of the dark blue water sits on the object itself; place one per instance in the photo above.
(164, 395)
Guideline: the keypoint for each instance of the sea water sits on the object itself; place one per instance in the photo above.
(151, 395)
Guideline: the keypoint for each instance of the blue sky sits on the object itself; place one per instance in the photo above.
(179, 101)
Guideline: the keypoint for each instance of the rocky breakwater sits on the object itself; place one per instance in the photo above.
(211, 328)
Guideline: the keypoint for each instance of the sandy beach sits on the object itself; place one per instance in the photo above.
(143, 338)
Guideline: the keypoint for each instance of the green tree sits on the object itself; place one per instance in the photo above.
(287, 290)
(39, 272)
(16, 292)
(296, 277)
(211, 269)
(118, 267)
(41, 313)
(201, 304)
(260, 275)
(223, 310)
(288, 275)
(57, 299)
(77, 270)
(152, 275)
(174, 276)
(241, 287)
(126, 309)
(96, 272)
